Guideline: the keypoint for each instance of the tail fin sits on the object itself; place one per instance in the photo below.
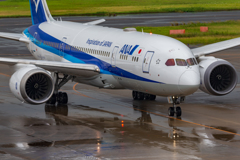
(40, 12)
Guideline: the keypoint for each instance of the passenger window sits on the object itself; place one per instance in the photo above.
(181, 62)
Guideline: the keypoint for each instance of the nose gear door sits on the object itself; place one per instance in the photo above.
(147, 61)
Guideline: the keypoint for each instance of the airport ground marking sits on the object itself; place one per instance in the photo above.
(5, 75)
(74, 88)
(198, 124)
(15, 55)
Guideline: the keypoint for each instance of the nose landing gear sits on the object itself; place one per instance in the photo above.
(175, 109)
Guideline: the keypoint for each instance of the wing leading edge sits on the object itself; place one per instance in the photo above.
(215, 47)
(74, 69)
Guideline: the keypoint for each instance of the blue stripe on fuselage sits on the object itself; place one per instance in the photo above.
(133, 50)
(76, 56)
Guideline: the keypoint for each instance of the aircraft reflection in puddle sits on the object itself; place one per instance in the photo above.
(59, 109)
(223, 134)
(143, 124)
(227, 134)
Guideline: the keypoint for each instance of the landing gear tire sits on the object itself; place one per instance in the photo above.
(134, 95)
(178, 112)
(152, 97)
(140, 95)
(52, 100)
(175, 109)
(171, 111)
(62, 98)
(147, 96)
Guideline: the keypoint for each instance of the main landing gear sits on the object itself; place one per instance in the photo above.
(175, 109)
(59, 97)
(141, 96)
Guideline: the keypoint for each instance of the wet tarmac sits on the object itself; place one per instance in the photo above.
(108, 124)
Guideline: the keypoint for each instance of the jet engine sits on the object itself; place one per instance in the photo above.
(32, 85)
(218, 77)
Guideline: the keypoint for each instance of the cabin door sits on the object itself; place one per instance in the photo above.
(62, 47)
(35, 50)
(147, 61)
(114, 56)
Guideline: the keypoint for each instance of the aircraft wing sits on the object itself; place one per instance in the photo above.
(14, 36)
(95, 22)
(74, 69)
(215, 47)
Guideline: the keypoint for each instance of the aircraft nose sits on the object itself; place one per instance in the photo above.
(189, 82)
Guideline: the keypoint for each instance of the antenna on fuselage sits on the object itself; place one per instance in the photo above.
(61, 19)
(142, 31)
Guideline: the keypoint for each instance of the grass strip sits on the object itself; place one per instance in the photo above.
(218, 31)
(21, 8)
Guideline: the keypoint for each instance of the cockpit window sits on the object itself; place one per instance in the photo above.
(190, 61)
(181, 62)
(195, 61)
(170, 62)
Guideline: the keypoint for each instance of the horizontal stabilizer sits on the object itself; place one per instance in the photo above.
(14, 36)
(73, 69)
(215, 47)
(95, 22)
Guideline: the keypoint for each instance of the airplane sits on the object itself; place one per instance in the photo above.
(148, 64)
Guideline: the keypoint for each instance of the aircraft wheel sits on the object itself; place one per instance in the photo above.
(140, 96)
(152, 97)
(52, 100)
(178, 112)
(171, 111)
(62, 98)
(134, 95)
(65, 98)
(146, 96)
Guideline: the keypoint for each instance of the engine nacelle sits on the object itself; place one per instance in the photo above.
(218, 77)
(32, 85)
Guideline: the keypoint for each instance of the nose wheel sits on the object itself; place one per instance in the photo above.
(175, 109)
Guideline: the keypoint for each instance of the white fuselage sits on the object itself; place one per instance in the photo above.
(127, 59)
